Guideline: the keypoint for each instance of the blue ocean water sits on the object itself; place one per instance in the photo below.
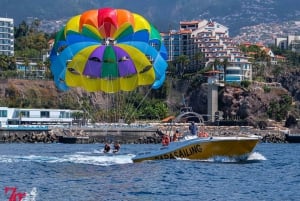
(62, 172)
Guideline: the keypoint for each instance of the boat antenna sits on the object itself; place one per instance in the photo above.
(183, 100)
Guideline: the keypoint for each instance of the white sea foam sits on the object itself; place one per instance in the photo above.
(98, 158)
(78, 158)
(256, 156)
(104, 160)
(31, 196)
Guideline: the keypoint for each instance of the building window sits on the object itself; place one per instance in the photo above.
(64, 114)
(45, 114)
(3, 113)
(24, 113)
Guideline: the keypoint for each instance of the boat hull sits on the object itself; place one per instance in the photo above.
(203, 148)
(292, 138)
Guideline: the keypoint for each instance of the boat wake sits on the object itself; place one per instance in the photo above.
(256, 156)
(76, 158)
(252, 158)
(99, 158)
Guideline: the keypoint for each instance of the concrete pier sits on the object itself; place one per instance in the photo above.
(127, 135)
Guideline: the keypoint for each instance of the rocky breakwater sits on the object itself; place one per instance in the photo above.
(27, 135)
(125, 134)
(137, 135)
(268, 135)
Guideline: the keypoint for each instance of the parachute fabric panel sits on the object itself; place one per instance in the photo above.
(108, 50)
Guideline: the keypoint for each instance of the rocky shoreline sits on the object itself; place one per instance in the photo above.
(83, 135)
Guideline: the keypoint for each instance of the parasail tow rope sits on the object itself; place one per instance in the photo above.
(140, 103)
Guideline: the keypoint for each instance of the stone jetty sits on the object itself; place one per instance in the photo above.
(143, 134)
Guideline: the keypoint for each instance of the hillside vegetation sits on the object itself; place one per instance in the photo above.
(252, 105)
(231, 13)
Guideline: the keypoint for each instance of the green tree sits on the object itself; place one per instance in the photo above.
(278, 109)
(181, 62)
(29, 41)
(224, 64)
(7, 62)
(200, 60)
(22, 30)
(216, 64)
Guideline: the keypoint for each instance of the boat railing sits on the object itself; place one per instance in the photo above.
(143, 153)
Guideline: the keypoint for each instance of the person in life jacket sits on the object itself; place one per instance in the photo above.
(193, 128)
(106, 148)
(117, 147)
(202, 132)
(165, 140)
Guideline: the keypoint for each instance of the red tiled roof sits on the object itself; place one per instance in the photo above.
(190, 22)
(183, 31)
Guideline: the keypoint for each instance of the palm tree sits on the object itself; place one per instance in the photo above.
(216, 63)
(12, 63)
(3, 63)
(182, 62)
(199, 58)
(47, 64)
(225, 63)
(26, 65)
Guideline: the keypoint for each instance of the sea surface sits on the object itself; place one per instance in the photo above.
(81, 172)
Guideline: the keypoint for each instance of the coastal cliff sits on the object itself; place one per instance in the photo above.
(254, 104)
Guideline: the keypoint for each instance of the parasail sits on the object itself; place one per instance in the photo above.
(108, 50)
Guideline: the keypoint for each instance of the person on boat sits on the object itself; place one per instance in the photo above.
(202, 132)
(117, 147)
(165, 140)
(106, 148)
(159, 132)
(176, 135)
(193, 128)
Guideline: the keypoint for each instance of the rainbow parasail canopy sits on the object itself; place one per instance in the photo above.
(108, 50)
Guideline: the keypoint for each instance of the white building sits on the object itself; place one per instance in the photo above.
(7, 36)
(214, 41)
(26, 116)
(290, 42)
(213, 28)
(33, 70)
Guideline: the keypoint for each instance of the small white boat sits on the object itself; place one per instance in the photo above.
(199, 148)
(292, 138)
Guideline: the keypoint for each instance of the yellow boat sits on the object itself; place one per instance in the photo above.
(199, 148)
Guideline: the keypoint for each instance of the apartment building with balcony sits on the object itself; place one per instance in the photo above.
(6, 36)
(213, 41)
(178, 43)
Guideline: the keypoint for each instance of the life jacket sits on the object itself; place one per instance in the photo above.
(175, 137)
(117, 146)
(165, 140)
(106, 148)
(202, 134)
